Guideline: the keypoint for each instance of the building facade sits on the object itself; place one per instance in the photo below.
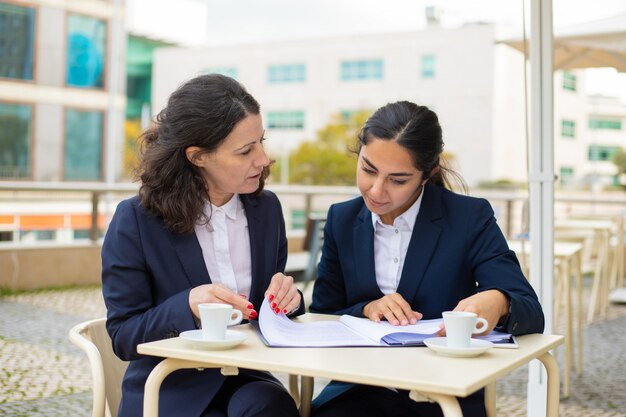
(474, 83)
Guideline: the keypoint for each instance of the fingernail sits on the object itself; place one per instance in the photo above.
(274, 305)
(404, 322)
(271, 297)
(250, 306)
(242, 295)
(285, 311)
(253, 314)
(277, 310)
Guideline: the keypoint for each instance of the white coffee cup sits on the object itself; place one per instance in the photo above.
(215, 318)
(460, 325)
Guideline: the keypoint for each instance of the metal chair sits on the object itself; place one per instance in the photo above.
(107, 370)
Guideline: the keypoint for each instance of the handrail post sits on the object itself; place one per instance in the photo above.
(94, 232)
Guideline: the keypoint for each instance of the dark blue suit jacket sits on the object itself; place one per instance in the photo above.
(456, 250)
(147, 273)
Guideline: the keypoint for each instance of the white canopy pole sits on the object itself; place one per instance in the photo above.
(541, 183)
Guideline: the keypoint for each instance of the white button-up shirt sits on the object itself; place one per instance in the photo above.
(390, 246)
(225, 244)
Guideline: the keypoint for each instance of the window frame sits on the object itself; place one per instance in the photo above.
(36, 9)
(107, 47)
(103, 156)
(31, 157)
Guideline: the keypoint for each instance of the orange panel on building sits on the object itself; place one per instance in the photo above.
(7, 219)
(50, 222)
(83, 221)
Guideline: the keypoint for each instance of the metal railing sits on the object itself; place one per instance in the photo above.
(508, 205)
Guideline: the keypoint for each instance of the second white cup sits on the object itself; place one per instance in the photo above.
(460, 325)
(215, 318)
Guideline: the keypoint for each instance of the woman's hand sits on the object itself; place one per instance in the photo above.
(393, 308)
(491, 305)
(218, 293)
(283, 294)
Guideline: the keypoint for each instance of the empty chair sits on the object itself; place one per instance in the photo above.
(107, 370)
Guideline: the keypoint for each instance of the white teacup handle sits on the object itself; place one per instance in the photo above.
(238, 317)
(483, 325)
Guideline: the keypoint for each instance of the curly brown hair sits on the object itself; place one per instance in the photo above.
(202, 112)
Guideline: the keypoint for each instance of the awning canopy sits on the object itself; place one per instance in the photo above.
(597, 44)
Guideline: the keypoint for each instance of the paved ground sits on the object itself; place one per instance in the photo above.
(43, 374)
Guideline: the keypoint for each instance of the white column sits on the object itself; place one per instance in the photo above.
(541, 183)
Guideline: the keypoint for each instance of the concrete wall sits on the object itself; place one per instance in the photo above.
(41, 266)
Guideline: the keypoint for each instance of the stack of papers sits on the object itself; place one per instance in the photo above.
(279, 330)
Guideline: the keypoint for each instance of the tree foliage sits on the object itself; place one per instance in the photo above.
(329, 159)
(619, 159)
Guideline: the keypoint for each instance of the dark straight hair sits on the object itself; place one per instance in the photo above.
(202, 112)
(417, 129)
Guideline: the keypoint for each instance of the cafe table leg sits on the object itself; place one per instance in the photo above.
(579, 311)
(156, 377)
(490, 399)
(552, 369)
(448, 403)
(306, 386)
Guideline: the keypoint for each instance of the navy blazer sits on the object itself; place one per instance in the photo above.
(456, 250)
(147, 274)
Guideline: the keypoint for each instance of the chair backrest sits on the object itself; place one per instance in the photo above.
(107, 370)
(313, 243)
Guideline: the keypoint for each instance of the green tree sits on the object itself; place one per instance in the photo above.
(327, 160)
(619, 159)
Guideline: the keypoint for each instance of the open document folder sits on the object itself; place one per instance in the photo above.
(279, 330)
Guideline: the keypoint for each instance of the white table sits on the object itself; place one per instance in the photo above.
(418, 370)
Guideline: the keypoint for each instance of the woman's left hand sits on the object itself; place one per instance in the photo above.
(491, 305)
(283, 294)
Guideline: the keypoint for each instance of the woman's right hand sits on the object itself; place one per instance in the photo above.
(218, 293)
(393, 308)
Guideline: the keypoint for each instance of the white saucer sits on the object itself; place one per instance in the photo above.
(232, 339)
(439, 345)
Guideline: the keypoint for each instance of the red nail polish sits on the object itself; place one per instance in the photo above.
(274, 305)
(276, 310)
(253, 314)
(250, 306)
(285, 311)
(271, 297)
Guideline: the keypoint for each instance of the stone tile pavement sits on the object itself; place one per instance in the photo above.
(43, 374)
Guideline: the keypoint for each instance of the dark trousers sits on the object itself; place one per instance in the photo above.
(368, 401)
(243, 396)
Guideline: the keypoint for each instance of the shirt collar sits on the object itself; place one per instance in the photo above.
(409, 216)
(231, 208)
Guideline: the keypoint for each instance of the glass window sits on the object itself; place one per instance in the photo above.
(227, 71)
(83, 145)
(285, 120)
(292, 73)
(428, 66)
(611, 124)
(566, 175)
(601, 153)
(15, 140)
(298, 219)
(568, 128)
(569, 81)
(17, 34)
(86, 51)
(362, 70)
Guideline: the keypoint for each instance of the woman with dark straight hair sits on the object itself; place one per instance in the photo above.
(408, 249)
(201, 230)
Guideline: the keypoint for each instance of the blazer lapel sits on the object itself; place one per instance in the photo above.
(256, 243)
(190, 255)
(422, 244)
(364, 253)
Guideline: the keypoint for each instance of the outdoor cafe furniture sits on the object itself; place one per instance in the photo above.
(568, 262)
(417, 369)
(601, 231)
